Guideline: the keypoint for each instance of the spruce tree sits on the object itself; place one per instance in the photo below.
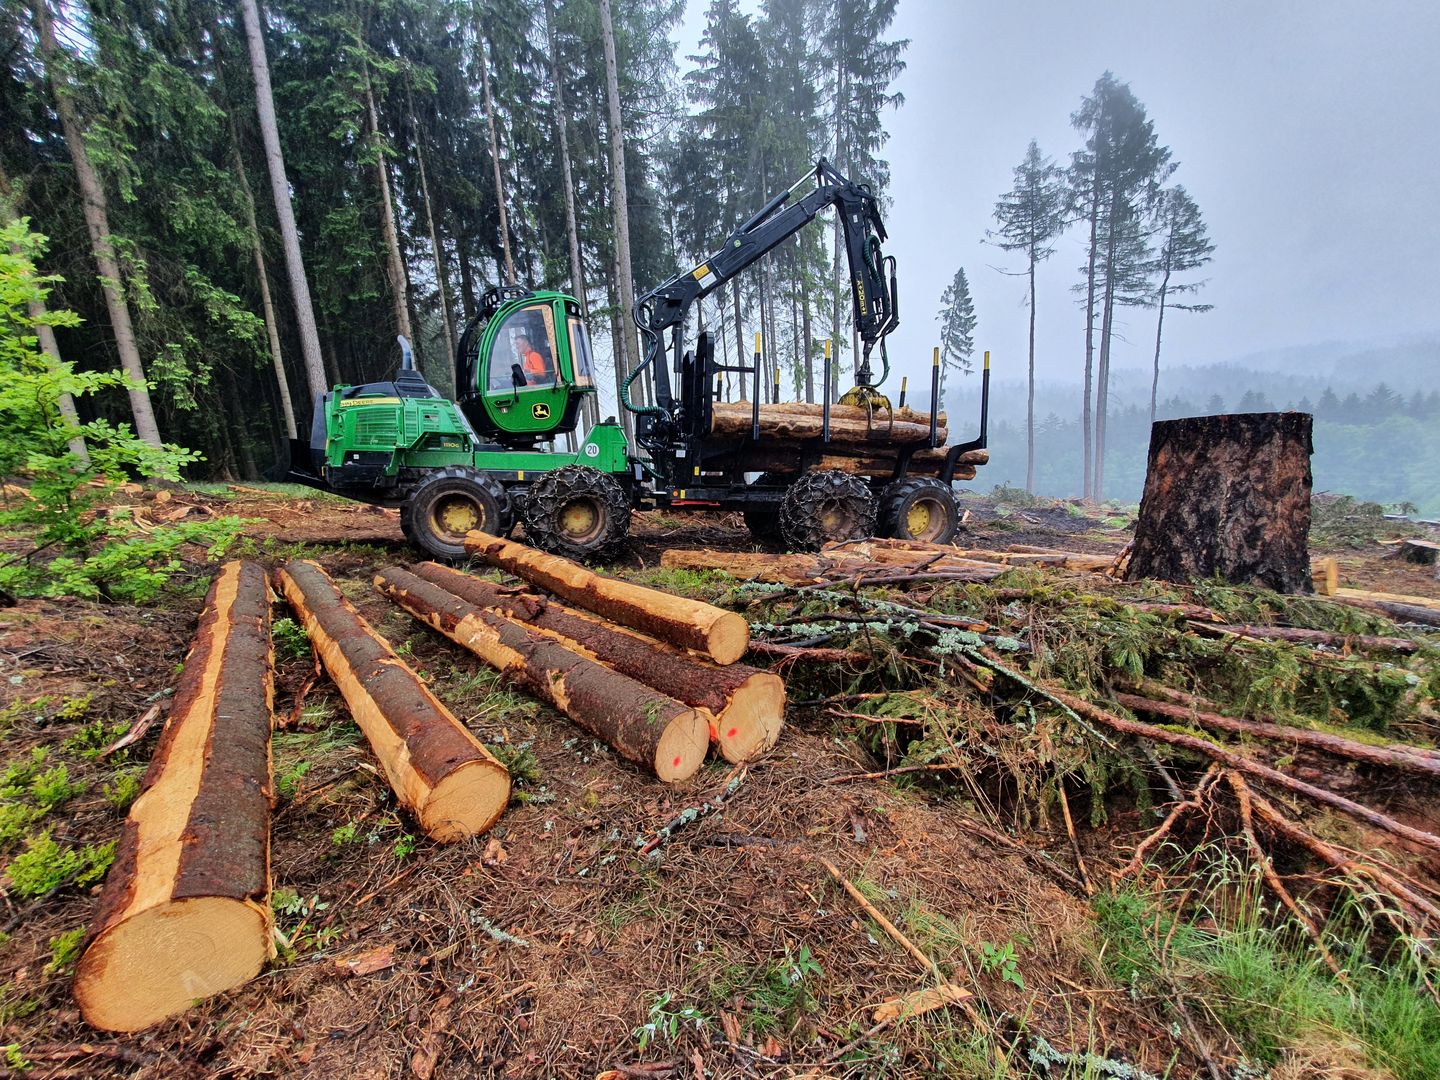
(1031, 215)
(1183, 246)
(957, 328)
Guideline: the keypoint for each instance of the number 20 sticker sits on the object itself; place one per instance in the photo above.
(591, 450)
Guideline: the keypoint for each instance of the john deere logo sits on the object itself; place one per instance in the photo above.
(540, 411)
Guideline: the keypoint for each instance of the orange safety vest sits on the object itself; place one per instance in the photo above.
(535, 366)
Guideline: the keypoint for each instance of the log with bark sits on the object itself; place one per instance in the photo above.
(848, 424)
(1228, 497)
(800, 569)
(744, 706)
(1399, 607)
(858, 459)
(721, 635)
(1016, 556)
(437, 769)
(1423, 552)
(185, 912)
(641, 724)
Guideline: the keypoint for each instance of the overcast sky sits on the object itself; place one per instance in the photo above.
(1308, 133)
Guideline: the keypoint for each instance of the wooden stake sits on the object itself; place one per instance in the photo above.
(437, 769)
(186, 913)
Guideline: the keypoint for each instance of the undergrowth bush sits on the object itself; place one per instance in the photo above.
(63, 473)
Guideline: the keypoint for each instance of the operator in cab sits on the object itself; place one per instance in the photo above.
(537, 369)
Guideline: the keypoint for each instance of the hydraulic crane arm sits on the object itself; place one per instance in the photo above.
(872, 274)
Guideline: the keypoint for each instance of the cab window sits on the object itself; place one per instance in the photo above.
(580, 352)
(524, 350)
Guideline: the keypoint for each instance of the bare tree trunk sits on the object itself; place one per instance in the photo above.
(1159, 326)
(1102, 379)
(280, 189)
(806, 331)
(97, 224)
(267, 304)
(9, 211)
(625, 348)
(395, 262)
(1030, 392)
(572, 230)
(494, 154)
(467, 275)
(740, 353)
(1086, 424)
(435, 250)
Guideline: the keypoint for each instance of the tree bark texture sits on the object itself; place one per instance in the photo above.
(437, 769)
(94, 206)
(495, 155)
(389, 231)
(642, 725)
(847, 424)
(721, 635)
(1227, 496)
(284, 211)
(625, 346)
(801, 569)
(745, 707)
(185, 912)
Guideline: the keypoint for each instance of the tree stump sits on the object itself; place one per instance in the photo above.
(1424, 552)
(1227, 497)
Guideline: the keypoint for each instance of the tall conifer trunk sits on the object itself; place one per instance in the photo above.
(1159, 326)
(436, 251)
(97, 224)
(625, 347)
(389, 231)
(489, 101)
(284, 211)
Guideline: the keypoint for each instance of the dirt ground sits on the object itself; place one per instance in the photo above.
(543, 948)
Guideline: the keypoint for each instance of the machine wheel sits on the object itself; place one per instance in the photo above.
(919, 509)
(824, 506)
(576, 511)
(764, 525)
(449, 503)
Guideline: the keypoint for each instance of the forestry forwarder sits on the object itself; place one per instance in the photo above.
(523, 366)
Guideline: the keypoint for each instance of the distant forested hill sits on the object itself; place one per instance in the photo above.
(1377, 419)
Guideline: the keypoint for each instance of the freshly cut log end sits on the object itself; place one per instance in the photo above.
(1227, 497)
(1325, 575)
(750, 725)
(682, 746)
(641, 724)
(185, 911)
(746, 706)
(719, 634)
(163, 960)
(437, 769)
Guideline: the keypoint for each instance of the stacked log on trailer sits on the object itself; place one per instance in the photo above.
(652, 674)
(185, 913)
(863, 442)
(437, 769)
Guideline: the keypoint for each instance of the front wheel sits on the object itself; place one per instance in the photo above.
(919, 509)
(824, 506)
(576, 511)
(449, 503)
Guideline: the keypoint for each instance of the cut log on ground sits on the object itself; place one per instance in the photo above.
(744, 706)
(854, 458)
(1300, 636)
(800, 569)
(641, 724)
(1228, 497)
(721, 635)
(847, 425)
(1396, 606)
(186, 912)
(1019, 556)
(1325, 575)
(437, 769)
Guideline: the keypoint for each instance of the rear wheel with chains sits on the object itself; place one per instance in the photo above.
(576, 511)
(449, 503)
(824, 506)
(921, 508)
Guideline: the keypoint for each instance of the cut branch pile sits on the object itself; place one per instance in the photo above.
(437, 769)
(186, 910)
